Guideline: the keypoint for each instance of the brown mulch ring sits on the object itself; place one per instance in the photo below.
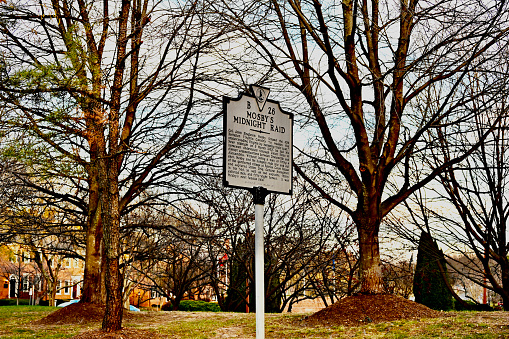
(84, 313)
(78, 313)
(363, 309)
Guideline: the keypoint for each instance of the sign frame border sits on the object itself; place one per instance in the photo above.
(226, 101)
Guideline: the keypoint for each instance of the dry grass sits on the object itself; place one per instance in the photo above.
(20, 322)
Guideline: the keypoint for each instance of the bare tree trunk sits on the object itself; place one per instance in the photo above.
(93, 285)
(52, 295)
(371, 279)
(114, 306)
(109, 193)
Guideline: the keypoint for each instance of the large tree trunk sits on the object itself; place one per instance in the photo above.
(93, 282)
(109, 195)
(370, 269)
(370, 265)
(112, 320)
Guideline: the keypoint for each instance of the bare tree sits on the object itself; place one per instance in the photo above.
(299, 232)
(47, 233)
(478, 191)
(399, 277)
(182, 263)
(336, 277)
(111, 98)
(364, 71)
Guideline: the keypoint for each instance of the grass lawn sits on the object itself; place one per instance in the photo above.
(16, 322)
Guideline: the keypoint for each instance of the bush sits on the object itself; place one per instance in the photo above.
(198, 306)
(194, 306)
(12, 302)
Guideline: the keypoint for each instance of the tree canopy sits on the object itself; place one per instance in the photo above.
(377, 80)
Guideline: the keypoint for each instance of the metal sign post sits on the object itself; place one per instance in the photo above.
(259, 194)
(257, 155)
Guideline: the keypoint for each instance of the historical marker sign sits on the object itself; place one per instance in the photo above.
(258, 143)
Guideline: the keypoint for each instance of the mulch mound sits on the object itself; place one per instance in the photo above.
(78, 313)
(84, 313)
(364, 309)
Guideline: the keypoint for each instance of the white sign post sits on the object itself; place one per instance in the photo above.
(257, 142)
(259, 264)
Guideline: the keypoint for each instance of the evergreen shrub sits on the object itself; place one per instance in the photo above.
(430, 288)
(194, 306)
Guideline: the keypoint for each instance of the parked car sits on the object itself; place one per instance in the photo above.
(74, 301)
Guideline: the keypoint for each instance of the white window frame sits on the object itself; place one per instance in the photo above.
(25, 283)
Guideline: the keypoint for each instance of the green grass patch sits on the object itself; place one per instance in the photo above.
(16, 323)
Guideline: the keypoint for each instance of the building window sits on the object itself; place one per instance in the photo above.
(26, 283)
(67, 262)
(66, 287)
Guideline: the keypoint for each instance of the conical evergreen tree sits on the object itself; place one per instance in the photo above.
(236, 294)
(240, 285)
(430, 289)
